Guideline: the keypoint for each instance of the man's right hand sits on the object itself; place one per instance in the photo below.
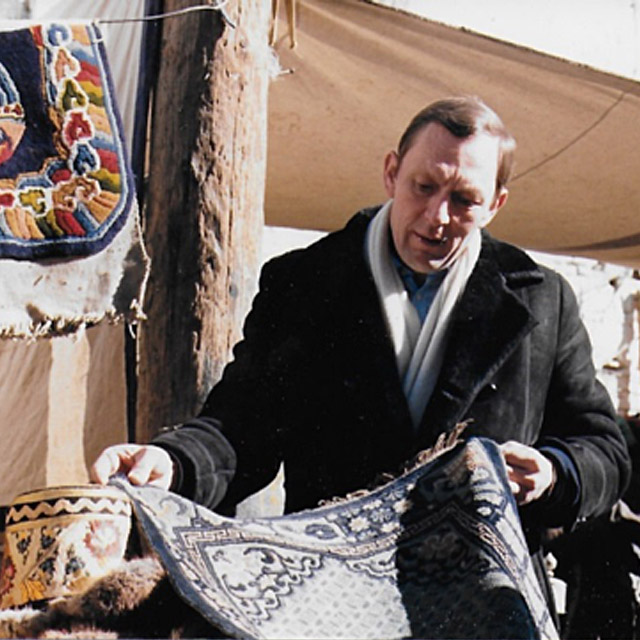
(142, 464)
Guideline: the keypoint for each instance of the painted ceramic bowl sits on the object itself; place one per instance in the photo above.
(61, 539)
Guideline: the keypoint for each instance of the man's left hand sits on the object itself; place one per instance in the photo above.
(531, 474)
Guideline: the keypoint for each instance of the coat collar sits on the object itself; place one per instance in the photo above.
(490, 321)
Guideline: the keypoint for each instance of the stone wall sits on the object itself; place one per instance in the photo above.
(609, 299)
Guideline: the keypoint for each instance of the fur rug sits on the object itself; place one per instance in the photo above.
(134, 601)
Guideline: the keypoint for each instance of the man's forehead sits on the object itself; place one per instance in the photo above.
(468, 172)
(479, 147)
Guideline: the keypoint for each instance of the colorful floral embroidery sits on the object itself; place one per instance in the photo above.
(65, 187)
(104, 539)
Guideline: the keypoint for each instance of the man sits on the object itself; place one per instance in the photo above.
(361, 349)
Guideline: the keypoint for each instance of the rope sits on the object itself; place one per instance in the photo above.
(218, 6)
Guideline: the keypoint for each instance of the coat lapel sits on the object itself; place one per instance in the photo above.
(490, 321)
(357, 296)
(488, 324)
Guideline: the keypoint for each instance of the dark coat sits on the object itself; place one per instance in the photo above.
(314, 383)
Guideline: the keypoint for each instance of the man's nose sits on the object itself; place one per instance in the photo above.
(437, 211)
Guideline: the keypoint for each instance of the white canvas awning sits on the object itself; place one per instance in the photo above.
(360, 72)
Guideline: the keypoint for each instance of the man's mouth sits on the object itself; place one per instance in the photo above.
(433, 242)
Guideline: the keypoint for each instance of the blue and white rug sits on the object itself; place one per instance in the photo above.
(437, 553)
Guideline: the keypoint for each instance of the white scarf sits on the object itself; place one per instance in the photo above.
(419, 349)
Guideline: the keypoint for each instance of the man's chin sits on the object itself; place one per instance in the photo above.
(437, 258)
(436, 265)
(432, 264)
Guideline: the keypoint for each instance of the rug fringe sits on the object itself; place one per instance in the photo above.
(445, 442)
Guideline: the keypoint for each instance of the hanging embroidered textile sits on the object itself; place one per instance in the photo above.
(70, 247)
(437, 553)
(65, 187)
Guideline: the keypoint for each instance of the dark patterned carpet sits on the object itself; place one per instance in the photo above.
(436, 553)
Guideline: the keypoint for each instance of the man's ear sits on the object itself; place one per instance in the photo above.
(391, 163)
(502, 198)
(498, 203)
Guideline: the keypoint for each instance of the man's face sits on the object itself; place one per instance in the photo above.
(442, 189)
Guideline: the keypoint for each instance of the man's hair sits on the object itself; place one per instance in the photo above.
(464, 116)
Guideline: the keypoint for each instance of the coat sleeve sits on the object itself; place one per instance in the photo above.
(580, 420)
(233, 448)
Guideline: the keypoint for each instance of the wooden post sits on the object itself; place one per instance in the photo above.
(204, 214)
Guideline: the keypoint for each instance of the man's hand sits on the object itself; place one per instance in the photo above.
(142, 464)
(530, 473)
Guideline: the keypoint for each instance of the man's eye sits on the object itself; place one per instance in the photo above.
(462, 200)
(426, 188)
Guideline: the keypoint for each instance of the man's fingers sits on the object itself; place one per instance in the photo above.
(152, 466)
(529, 472)
(142, 464)
(518, 455)
(141, 468)
(516, 475)
(101, 470)
(522, 484)
(109, 462)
